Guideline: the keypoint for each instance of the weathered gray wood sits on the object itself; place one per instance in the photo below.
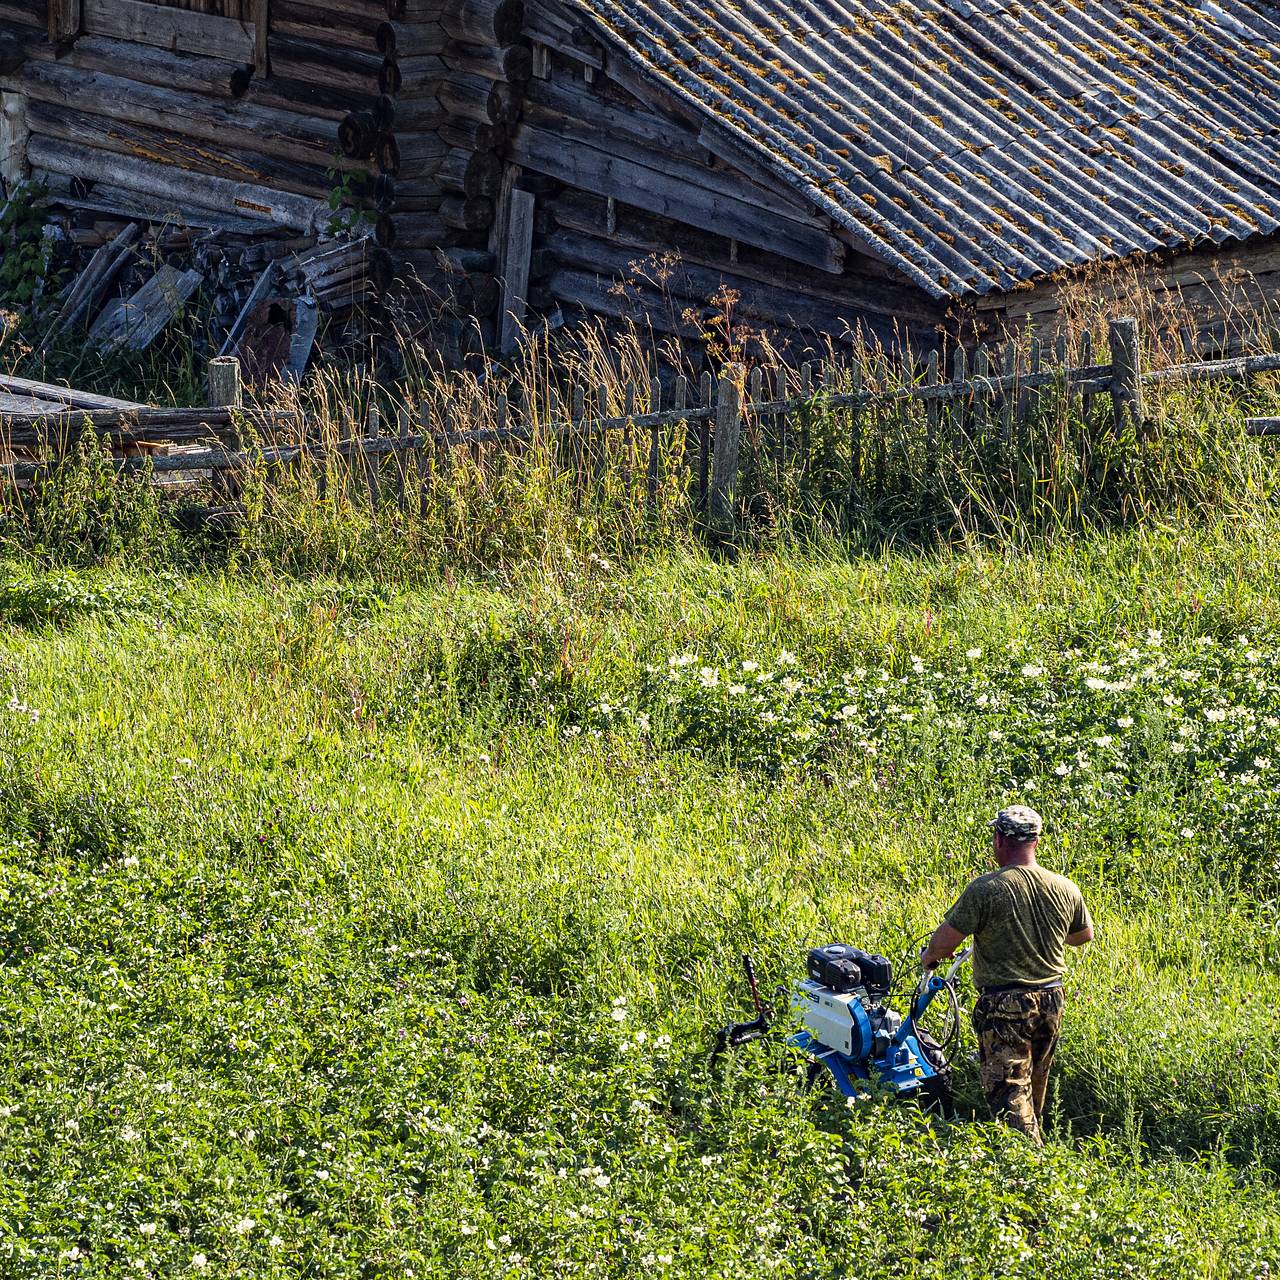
(932, 412)
(66, 19)
(728, 431)
(261, 49)
(682, 196)
(68, 397)
(136, 322)
(372, 476)
(981, 396)
(225, 390)
(14, 136)
(1126, 375)
(179, 189)
(1086, 358)
(515, 267)
(225, 387)
(97, 276)
(959, 397)
(653, 472)
(707, 403)
(1009, 400)
(168, 28)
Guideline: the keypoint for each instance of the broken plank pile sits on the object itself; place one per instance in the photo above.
(127, 279)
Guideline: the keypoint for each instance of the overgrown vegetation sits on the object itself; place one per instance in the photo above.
(1038, 463)
(374, 866)
(358, 930)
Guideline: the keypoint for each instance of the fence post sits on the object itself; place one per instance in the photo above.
(724, 461)
(226, 392)
(1126, 375)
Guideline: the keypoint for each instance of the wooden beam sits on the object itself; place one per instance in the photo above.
(13, 140)
(656, 191)
(261, 26)
(65, 20)
(516, 256)
(182, 30)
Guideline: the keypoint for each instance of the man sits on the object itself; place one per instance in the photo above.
(1022, 917)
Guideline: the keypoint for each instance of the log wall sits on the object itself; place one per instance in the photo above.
(1201, 305)
(515, 168)
(192, 110)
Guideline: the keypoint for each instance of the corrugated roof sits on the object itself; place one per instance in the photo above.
(977, 144)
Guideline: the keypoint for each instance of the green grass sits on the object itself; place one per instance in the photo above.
(361, 931)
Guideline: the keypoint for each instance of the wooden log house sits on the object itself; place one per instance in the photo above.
(815, 170)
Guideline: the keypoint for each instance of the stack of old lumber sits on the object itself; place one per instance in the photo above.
(128, 278)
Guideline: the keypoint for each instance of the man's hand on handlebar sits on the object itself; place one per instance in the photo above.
(942, 946)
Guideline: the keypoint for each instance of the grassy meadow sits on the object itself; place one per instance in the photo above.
(353, 929)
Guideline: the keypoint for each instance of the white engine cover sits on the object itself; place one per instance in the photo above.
(829, 1018)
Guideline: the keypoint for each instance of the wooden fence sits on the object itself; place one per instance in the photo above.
(993, 398)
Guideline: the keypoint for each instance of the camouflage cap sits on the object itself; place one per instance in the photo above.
(1018, 823)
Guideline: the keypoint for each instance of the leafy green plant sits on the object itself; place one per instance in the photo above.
(24, 252)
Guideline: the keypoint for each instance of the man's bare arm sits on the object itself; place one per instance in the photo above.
(942, 946)
(1079, 939)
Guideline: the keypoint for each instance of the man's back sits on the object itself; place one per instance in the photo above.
(1020, 917)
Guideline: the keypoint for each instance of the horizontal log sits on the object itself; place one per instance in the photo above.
(467, 97)
(416, 10)
(304, 96)
(1212, 370)
(348, 24)
(137, 425)
(513, 62)
(417, 231)
(145, 64)
(673, 196)
(472, 173)
(410, 39)
(69, 396)
(414, 115)
(169, 28)
(331, 65)
(484, 22)
(421, 152)
(287, 134)
(473, 135)
(412, 77)
(467, 214)
(643, 233)
(159, 180)
(194, 155)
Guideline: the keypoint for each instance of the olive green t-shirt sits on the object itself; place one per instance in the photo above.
(1019, 918)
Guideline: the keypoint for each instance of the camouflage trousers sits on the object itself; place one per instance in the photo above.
(1017, 1037)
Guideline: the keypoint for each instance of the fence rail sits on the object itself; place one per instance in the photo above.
(999, 393)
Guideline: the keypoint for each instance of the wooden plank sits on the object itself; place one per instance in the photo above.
(66, 397)
(517, 254)
(136, 322)
(724, 460)
(65, 20)
(181, 30)
(13, 140)
(658, 192)
(261, 50)
(26, 404)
